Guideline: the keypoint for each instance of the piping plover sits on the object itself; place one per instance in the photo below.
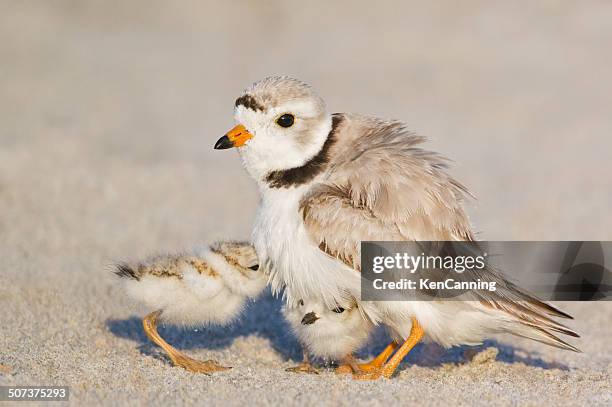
(329, 181)
(208, 286)
(332, 334)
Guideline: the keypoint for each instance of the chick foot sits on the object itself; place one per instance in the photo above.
(197, 366)
(177, 357)
(303, 368)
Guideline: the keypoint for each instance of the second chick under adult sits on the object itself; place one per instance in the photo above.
(333, 334)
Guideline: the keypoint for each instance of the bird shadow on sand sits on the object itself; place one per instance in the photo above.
(263, 318)
(432, 355)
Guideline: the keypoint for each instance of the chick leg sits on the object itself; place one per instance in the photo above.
(304, 367)
(416, 333)
(178, 358)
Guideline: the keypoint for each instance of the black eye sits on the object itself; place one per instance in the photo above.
(285, 120)
(338, 310)
(301, 303)
(255, 267)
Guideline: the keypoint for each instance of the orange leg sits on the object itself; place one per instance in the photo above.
(387, 370)
(349, 365)
(380, 359)
(178, 358)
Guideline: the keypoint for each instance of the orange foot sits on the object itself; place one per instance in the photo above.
(346, 368)
(386, 369)
(359, 368)
(350, 365)
(374, 374)
(196, 366)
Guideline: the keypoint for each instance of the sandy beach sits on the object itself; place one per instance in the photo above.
(108, 118)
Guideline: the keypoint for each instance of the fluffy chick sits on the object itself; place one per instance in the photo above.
(209, 286)
(328, 333)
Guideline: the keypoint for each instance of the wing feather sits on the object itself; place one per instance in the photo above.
(382, 186)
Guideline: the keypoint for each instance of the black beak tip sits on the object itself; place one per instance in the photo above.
(309, 318)
(223, 143)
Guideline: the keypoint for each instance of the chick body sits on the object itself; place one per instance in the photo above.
(209, 286)
(328, 333)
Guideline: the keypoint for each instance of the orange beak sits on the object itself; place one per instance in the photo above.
(236, 137)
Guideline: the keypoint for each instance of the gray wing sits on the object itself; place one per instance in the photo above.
(382, 186)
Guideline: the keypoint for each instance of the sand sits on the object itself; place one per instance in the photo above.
(108, 115)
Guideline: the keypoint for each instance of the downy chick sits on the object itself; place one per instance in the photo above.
(208, 286)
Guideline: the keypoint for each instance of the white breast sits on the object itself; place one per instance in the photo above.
(296, 264)
(292, 260)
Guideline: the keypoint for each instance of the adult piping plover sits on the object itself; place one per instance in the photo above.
(209, 286)
(332, 334)
(327, 182)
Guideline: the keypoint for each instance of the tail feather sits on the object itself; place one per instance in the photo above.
(124, 270)
(160, 266)
(565, 331)
(532, 316)
(549, 309)
(535, 303)
(523, 312)
(541, 335)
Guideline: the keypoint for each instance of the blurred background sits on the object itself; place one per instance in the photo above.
(109, 111)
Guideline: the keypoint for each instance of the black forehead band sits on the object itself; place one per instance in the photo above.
(249, 102)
